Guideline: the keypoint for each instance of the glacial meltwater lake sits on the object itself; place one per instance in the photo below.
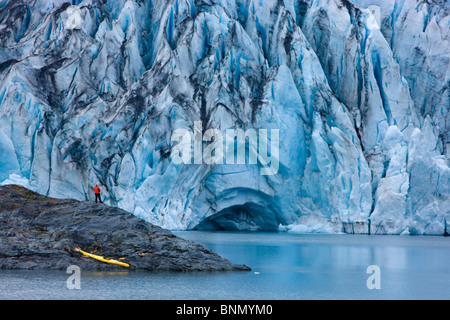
(284, 266)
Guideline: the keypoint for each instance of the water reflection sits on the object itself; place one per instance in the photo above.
(99, 274)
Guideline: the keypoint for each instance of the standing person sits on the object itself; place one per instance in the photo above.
(97, 194)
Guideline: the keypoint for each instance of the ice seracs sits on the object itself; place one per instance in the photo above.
(360, 140)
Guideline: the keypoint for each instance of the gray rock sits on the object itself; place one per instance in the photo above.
(38, 232)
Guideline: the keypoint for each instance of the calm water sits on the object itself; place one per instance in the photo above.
(284, 266)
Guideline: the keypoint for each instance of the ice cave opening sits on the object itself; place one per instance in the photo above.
(246, 217)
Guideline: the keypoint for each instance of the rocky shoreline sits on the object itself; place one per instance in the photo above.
(38, 232)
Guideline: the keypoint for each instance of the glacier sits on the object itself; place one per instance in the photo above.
(361, 109)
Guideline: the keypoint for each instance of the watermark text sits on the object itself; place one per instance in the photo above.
(241, 147)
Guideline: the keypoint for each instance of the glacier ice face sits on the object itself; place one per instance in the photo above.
(418, 33)
(98, 105)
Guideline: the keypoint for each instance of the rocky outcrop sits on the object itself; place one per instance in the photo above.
(38, 232)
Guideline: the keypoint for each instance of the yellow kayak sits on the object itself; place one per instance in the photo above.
(102, 259)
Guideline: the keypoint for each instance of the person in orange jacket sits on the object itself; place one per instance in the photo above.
(97, 194)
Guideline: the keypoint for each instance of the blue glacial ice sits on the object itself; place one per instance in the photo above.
(361, 109)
